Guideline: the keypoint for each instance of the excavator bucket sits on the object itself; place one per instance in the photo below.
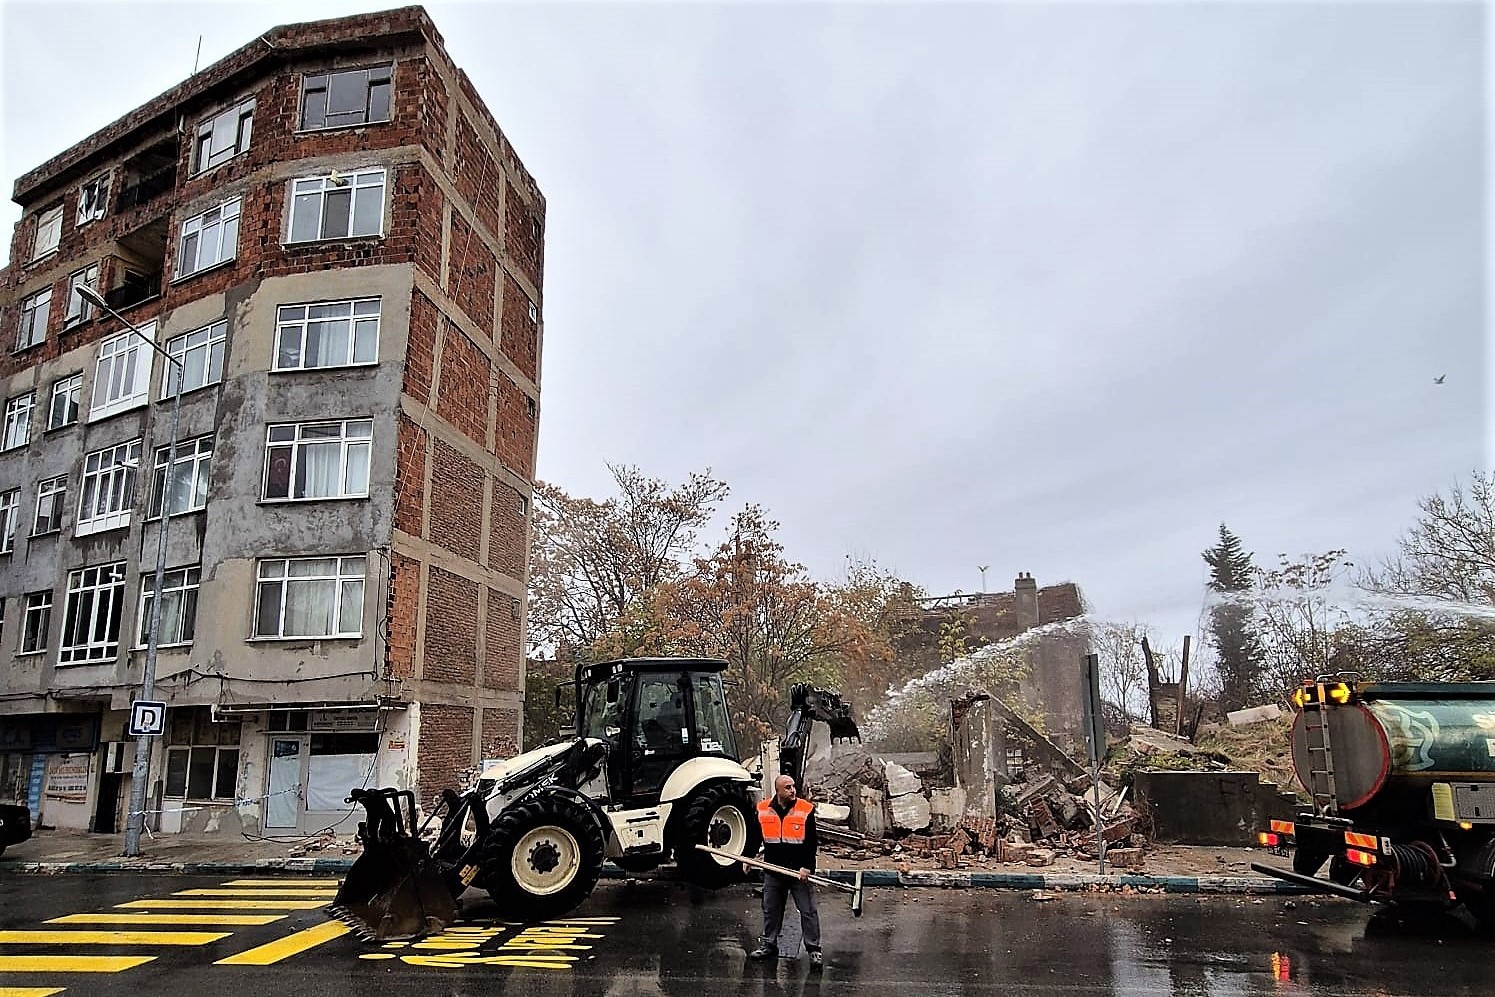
(394, 889)
(815, 703)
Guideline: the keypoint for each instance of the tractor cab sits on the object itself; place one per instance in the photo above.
(654, 714)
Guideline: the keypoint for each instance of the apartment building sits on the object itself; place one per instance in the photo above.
(329, 236)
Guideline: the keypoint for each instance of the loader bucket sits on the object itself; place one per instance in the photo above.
(394, 889)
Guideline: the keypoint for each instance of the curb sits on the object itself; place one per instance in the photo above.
(1239, 885)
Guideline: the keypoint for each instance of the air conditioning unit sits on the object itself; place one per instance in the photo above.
(119, 757)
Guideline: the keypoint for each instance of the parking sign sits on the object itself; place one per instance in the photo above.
(147, 718)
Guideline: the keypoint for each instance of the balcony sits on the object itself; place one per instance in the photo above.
(149, 174)
(134, 289)
(147, 188)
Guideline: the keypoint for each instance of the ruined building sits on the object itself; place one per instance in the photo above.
(975, 620)
(330, 235)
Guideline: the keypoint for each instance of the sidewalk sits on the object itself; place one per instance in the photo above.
(61, 852)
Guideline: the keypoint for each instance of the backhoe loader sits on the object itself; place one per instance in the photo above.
(649, 771)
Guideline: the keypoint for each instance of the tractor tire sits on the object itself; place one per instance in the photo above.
(718, 815)
(542, 857)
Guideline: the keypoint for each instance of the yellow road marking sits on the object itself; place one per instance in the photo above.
(71, 963)
(111, 937)
(283, 892)
(272, 952)
(227, 903)
(146, 920)
(30, 991)
(284, 882)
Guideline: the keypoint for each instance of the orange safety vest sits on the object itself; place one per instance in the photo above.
(788, 831)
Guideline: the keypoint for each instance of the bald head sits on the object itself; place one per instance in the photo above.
(783, 788)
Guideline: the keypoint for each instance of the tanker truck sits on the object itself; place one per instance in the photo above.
(1402, 782)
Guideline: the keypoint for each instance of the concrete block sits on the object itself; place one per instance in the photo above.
(910, 812)
(869, 813)
(1125, 858)
(1040, 857)
(832, 813)
(1253, 715)
(900, 780)
(946, 808)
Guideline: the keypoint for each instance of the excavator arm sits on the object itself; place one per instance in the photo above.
(807, 704)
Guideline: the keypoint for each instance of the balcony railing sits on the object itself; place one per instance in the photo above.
(134, 290)
(147, 188)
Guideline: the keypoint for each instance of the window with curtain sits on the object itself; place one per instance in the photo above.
(310, 597)
(318, 460)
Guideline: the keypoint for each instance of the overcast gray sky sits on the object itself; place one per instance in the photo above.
(1052, 288)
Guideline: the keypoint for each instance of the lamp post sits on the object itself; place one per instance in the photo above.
(135, 819)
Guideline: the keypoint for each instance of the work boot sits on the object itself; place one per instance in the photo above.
(817, 959)
(763, 952)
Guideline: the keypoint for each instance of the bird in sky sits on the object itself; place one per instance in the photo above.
(1439, 378)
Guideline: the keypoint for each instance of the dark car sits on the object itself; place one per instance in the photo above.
(15, 825)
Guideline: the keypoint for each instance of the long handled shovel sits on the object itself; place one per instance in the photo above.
(855, 889)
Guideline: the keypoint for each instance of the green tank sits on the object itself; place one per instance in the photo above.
(1402, 735)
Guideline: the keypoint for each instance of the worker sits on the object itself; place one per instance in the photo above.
(789, 840)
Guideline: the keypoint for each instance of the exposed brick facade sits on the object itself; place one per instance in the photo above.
(524, 235)
(445, 748)
(516, 428)
(472, 274)
(452, 635)
(507, 540)
(462, 396)
(410, 477)
(500, 660)
(520, 334)
(499, 733)
(420, 351)
(404, 603)
(456, 502)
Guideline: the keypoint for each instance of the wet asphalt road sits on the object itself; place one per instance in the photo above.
(650, 938)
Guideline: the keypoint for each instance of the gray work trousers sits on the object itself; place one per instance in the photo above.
(776, 889)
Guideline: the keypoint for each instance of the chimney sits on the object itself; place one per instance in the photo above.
(1026, 590)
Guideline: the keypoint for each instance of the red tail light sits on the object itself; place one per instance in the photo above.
(1358, 857)
(1269, 839)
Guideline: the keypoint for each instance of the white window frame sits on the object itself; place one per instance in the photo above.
(311, 194)
(106, 492)
(48, 235)
(534, 313)
(237, 122)
(10, 519)
(18, 412)
(93, 200)
(201, 355)
(50, 493)
(178, 613)
(36, 309)
(291, 441)
(322, 83)
(274, 578)
(123, 373)
(104, 584)
(71, 390)
(216, 229)
(194, 462)
(79, 308)
(355, 319)
(37, 604)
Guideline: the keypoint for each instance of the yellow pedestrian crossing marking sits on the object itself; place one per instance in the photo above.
(283, 948)
(30, 991)
(46, 937)
(296, 883)
(146, 920)
(227, 903)
(283, 892)
(71, 963)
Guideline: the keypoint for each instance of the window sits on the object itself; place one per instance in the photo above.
(350, 97)
(224, 136)
(124, 376)
(78, 308)
(534, 313)
(202, 762)
(209, 239)
(201, 356)
(530, 408)
(64, 408)
(318, 460)
(310, 597)
(34, 313)
(51, 497)
(178, 607)
(523, 506)
(108, 488)
(337, 206)
(17, 431)
(90, 621)
(189, 476)
(333, 334)
(48, 232)
(10, 514)
(36, 622)
(93, 198)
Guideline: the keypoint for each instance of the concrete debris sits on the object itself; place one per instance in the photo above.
(901, 781)
(832, 813)
(910, 811)
(1254, 715)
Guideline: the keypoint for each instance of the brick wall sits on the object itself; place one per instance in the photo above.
(456, 502)
(478, 178)
(420, 352)
(516, 428)
(444, 749)
(500, 733)
(451, 644)
(523, 231)
(472, 274)
(519, 336)
(410, 477)
(404, 603)
(506, 531)
(462, 395)
(501, 658)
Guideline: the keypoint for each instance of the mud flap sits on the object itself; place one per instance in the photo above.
(394, 890)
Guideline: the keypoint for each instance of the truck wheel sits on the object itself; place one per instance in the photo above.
(719, 816)
(543, 857)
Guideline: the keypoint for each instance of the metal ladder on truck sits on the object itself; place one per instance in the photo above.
(1320, 754)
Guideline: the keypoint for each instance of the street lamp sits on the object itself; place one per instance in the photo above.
(135, 819)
